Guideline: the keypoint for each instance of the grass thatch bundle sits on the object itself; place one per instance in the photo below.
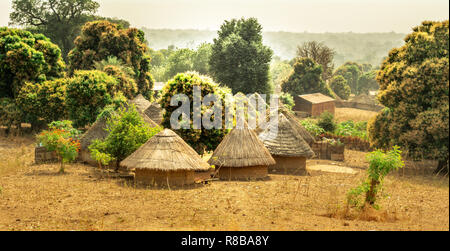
(142, 105)
(285, 140)
(241, 148)
(298, 127)
(96, 131)
(166, 151)
(155, 113)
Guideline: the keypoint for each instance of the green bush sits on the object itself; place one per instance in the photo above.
(43, 102)
(127, 132)
(350, 128)
(88, 92)
(26, 57)
(339, 85)
(201, 140)
(287, 100)
(326, 122)
(381, 164)
(10, 113)
(312, 127)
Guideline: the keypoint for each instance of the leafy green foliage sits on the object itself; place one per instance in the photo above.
(319, 53)
(326, 122)
(312, 127)
(61, 139)
(350, 128)
(305, 79)
(127, 132)
(360, 77)
(88, 92)
(239, 59)
(414, 86)
(200, 139)
(60, 20)
(102, 39)
(287, 100)
(339, 85)
(381, 164)
(26, 57)
(43, 102)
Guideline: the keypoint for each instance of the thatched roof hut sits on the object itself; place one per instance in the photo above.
(299, 128)
(287, 146)
(141, 106)
(165, 160)
(241, 155)
(155, 113)
(96, 131)
(314, 104)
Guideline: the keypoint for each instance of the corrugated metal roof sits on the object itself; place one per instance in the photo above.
(316, 98)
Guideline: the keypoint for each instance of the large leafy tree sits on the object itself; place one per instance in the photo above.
(239, 59)
(414, 86)
(100, 40)
(339, 85)
(351, 71)
(200, 139)
(305, 79)
(321, 54)
(60, 20)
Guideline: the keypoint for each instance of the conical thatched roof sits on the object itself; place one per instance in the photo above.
(286, 141)
(241, 148)
(97, 131)
(141, 105)
(154, 112)
(166, 151)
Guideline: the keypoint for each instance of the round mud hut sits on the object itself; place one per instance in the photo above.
(165, 160)
(287, 147)
(241, 156)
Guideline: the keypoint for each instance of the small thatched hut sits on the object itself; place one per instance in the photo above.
(241, 156)
(287, 147)
(97, 131)
(165, 160)
(155, 113)
(299, 128)
(142, 105)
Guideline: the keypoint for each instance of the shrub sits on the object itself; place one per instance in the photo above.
(312, 127)
(200, 139)
(349, 128)
(10, 114)
(287, 100)
(88, 92)
(381, 164)
(326, 122)
(127, 132)
(60, 138)
(43, 102)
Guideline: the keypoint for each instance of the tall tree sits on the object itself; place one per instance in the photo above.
(321, 54)
(239, 59)
(60, 20)
(414, 86)
(305, 79)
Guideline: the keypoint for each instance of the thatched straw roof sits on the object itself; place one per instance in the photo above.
(286, 141)
(97, 131)
(141, 106)
(155, 113)
(241, 148)
(298, 127)
(166, 151)
(316, 98)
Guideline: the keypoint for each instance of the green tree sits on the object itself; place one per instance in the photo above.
(305, 79)
(414, 86)
(327, 122)
(26, 57)
(127, 131)
(102, 39)
(321, 54)
(88, 92)
(351, 71)
(201, 59)
(239, 59)
(60, 20)
(179, 61)
(367, 82)
(339, 85)
(200, 139)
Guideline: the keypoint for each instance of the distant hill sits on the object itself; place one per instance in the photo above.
(359, 47)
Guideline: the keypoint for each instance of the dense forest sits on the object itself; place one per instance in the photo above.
(368, 48)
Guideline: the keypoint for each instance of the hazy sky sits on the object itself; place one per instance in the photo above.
(274, 15)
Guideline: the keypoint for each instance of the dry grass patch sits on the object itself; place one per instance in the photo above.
(356, 115)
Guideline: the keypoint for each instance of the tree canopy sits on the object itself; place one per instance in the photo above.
(414, 86)
(321, 54)
(239, 60)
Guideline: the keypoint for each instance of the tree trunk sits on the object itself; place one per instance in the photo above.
(371, 194)
(442, 167)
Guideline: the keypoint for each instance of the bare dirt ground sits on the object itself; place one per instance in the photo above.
(35, 197)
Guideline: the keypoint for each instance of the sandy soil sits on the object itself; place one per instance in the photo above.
(35, 197)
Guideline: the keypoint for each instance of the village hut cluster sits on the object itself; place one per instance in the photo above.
(244, 154)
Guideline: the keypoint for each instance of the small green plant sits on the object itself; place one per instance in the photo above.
(380, 164)
(312, 127)
(127, 132)
(61, 139)
(326, 122)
